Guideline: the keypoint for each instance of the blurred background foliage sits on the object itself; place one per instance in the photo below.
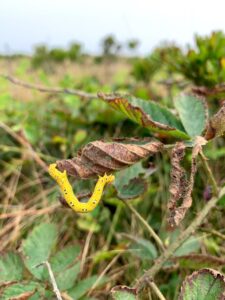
(57, 125)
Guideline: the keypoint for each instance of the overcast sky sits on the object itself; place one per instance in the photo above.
(25, 23)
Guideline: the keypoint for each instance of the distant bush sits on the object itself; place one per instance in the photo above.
(42, 55)
(74, 52)
(203, 64)
(110, 47)
(145, 68)
(58, 55)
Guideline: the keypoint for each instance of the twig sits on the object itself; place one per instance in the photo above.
(52, 279)
(113, 261)
(204, 91)
(180, 240)
(54, 90)
(156, 290)
(28, 212)
(216, 233)
(209, 173)
(171, 82)
(85, 250)
(147, 226)
(25, 144)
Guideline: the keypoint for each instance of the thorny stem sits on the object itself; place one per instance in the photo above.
(52, 279)
(209, 173)
(185, 234)
(180, 240)
(44, 89)
(147, 226)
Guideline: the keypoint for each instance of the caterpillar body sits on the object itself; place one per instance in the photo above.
(67, 191)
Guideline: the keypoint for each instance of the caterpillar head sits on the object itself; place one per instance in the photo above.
(109, 178)
(55, 173)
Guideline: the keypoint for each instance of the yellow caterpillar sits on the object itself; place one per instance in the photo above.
(67, 191)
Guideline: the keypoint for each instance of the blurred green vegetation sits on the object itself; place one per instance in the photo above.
(56, 126)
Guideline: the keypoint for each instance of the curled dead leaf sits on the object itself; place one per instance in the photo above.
(216, 125)
(99, 157)
(180, 186)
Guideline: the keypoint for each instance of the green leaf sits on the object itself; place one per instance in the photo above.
(5, 101)
(11, 267)
(102, 113)
(83, 286)
(65, 279)
(189, 246)
(64, 258)
(148, 114)
(37, 248)
(205, 284)
(102, 255)
(192, 112)
(123, 293)
(135, 188)
(25, 290)
(198, 261)
(143, 248)
(80, 136)
(62, 264)
(88, 223)
(127, 183)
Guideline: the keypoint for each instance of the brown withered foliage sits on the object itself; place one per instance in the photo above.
(204, 91)
(99, 157)
(216, 124)
(123, 288)
(24, 296)
(180, 186)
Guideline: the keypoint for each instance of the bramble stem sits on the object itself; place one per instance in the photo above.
(180, 240)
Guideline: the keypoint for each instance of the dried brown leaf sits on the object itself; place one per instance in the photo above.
(24, 296)
(217, 124)
(123, 288)
(7, 283)
(99, 157)
(181, 187)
